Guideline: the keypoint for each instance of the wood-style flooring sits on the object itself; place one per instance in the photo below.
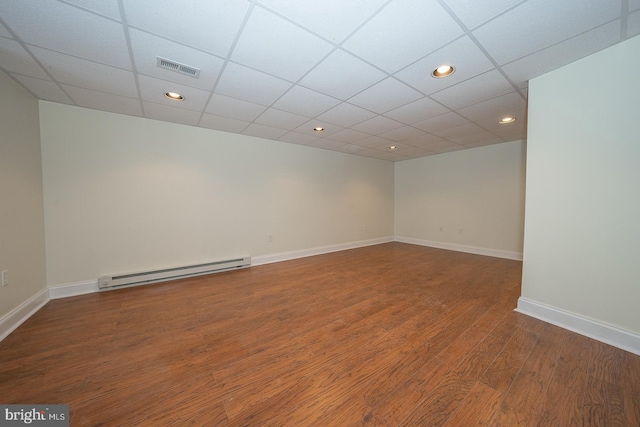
(387, 335)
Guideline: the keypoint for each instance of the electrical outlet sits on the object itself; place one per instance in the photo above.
(5, 278)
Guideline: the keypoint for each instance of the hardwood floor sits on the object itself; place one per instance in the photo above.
(388, 335)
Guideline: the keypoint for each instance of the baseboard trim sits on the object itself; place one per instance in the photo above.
(462, 248)
(286, 256)
(582, 325)
(16, 317)
(73, 289)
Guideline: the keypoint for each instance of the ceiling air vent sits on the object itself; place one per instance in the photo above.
(177, 67)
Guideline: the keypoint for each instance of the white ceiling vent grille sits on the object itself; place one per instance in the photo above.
(177, 67)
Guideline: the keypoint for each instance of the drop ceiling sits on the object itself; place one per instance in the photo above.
(276, 69)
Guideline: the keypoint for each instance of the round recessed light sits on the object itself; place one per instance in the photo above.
(506, 120)
(393, 147)
(318, 129)
(174, 96)
(443, 71)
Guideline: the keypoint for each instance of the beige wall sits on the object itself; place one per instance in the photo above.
(126, 194)
(480, 191)
(21, 213)
(582, 230)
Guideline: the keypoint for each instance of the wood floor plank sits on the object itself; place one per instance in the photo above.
(384, 335)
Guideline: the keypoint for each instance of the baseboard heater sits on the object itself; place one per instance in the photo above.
(143, 278)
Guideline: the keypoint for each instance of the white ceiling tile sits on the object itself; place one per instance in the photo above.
(281, 119)
(382, 155)
(524, 69)
(308, 128)
(474, 13)
(385, 95)
(403, 32)
(87, 74)
(170, 114)
(44, 89)
(633, 24)
(108, 8)
(346, 115)
(324, 20)
(348, 135)
(31, 21)
(512, 132)
(209, 26)
(443, 121)
(501, 105)
(263, 131)
(537, 24)
(492, 123)
(15, 59)
(458, 131)
(402, 133)
(146, 47)
(223, 123)
(298, 138)
(481, 88)
(305, 101)
(424, 141)
(264, 35)
(417, 111)
(350, 148)
(377, 125)
(250, 85)
(224, 106)
(153, 90)
(374, 141)
(468, 60)
(342, 75)
(104, 101)
(326, 144)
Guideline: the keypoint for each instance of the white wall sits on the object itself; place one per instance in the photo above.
(582, 230)
(126, 194)
(22, 250)
(480, 191)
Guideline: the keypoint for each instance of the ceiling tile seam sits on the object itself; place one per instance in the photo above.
(493, 18)
(93, 12)
(25, 46)
(567, 39)
(475, 40)
(127, 37)
(227, 59)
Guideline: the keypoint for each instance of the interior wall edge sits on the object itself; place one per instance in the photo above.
(497, 253)
(16, 317)
(590, 328)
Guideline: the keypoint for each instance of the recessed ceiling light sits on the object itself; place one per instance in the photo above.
(443, 71)
(174, 96)
(318, 129)
(506, 120)
(393, 147)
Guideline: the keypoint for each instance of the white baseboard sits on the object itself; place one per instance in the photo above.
(286, 256)
(582, 325)
(462, 248)
(73, 289)
(16, 317)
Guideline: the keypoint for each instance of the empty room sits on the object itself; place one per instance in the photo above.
(338, 213)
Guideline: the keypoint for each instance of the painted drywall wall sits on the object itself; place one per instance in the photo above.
(581, 252)
(471, 200)
(125, 194)
(22, 248)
